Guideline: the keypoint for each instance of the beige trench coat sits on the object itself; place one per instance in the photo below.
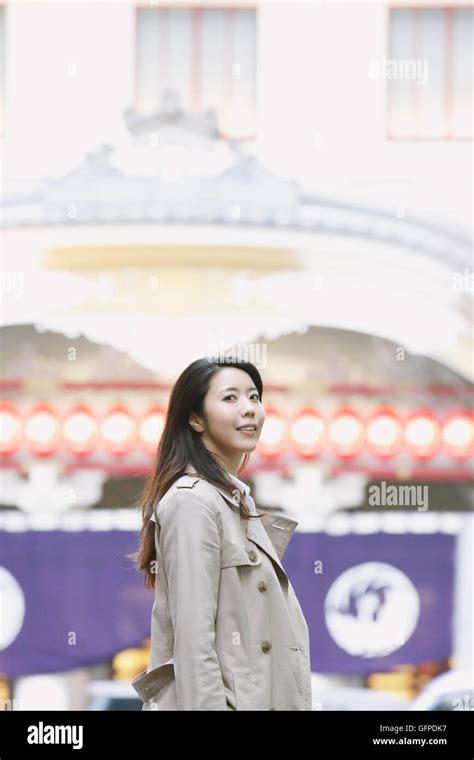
(227, 630)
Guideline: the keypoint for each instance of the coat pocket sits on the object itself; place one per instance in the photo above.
(233, 555)
(243, 691)
(150, 685)
(294, 672)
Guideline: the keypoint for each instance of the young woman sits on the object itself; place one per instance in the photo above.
(227, 630)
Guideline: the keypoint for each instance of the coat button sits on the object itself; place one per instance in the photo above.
(266, 646)
(252, 555)
(262, 586)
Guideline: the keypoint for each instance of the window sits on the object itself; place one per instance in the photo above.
(207, 57)
(429, 92)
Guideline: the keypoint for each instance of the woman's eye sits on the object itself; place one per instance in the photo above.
(254, 397)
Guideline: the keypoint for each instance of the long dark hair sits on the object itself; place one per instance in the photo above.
(180, 445)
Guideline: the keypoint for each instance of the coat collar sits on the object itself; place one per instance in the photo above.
(271, 532)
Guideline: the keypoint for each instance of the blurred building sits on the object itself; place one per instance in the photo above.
(290, 180)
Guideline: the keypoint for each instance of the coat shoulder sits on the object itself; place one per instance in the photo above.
(190, 488)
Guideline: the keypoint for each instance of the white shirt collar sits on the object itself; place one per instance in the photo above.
(240, 485)
(245, 488)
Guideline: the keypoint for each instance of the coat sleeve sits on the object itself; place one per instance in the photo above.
(190, 544)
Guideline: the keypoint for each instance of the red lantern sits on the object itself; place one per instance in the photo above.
(80, 430)
(42, 430)
(384, 433)
(422, 434)
(150, 428)
(118, 430)
(274, 435)
(346, 433)
(458, 434)
(307, 433)
(10, 429)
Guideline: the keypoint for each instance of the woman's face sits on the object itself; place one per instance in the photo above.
(231, 403)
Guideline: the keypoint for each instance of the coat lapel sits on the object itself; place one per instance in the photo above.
(271, 533)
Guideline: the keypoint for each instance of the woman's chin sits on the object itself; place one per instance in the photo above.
(249, 446)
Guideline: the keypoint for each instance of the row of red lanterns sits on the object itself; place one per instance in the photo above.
(346, 433)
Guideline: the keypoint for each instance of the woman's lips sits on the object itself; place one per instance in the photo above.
(247, 432)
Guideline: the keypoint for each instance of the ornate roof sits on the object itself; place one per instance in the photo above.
(175, 168)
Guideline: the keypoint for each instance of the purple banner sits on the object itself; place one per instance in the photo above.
(82, 600)
(374, 601)
(371, 601)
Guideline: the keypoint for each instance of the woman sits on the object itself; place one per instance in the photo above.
(227, 630)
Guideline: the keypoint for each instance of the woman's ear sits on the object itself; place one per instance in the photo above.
(196, 423)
